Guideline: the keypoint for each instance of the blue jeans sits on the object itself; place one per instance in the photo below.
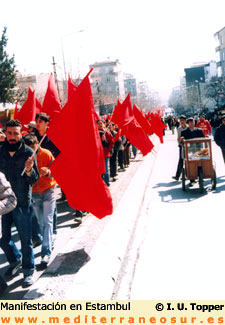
(55, 221)
(36, 231)
(44, 207)
(21, 216)
(106, 175)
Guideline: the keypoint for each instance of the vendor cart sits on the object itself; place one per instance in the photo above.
(198, 162)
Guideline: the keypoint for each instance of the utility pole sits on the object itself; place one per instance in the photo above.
(55, 76)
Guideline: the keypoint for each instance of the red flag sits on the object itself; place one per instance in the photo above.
(136, 136)
(27, 112)
(118, 135)
(38, 106)
(107, 117)
(97, 117)
(51, 104)
(79, 166)
(157, 125)
(122, 115)
(16, 111)
(71, 88)
(144, 123)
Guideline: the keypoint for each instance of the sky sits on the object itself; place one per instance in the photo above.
(155, 40)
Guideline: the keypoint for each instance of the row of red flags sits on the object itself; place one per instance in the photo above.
(73, 129)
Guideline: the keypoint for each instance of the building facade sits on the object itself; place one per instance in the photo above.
(107, 85)
(39, 83)
(130, 86)
(220, 51)
(200, 72)
(198, 77)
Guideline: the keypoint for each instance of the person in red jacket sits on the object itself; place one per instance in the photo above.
(204, 125)
(107, 143)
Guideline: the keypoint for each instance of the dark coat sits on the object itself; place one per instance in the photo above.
(219, 136)
(13, 167)
(196, 133)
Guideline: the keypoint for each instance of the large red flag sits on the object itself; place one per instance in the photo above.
(51, 104)
(124, 117)
(27, 112)
(144, 123)
(79, 166)
(136, 136)
(71, 88)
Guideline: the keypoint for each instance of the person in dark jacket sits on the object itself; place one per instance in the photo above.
(214, 122)
(181, 128)
(190, 133)
(219, 136)
(113, 159)
(18, 164)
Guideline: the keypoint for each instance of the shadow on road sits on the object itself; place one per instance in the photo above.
(67, 264)
(70, 263)
(177, 195)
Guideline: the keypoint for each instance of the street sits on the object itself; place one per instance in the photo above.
(160, 243)
(179, 242)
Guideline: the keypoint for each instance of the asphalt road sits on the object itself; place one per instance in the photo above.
(177, 251)
(171, 249)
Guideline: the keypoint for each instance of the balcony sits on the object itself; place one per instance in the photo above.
(218, 48)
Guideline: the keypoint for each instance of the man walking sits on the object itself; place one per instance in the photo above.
(42, 124)
(16, 157)
(190, 133)
(181, 128)
(44, 197)
(219, 136)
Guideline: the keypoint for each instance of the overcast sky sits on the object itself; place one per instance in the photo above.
(153, 39)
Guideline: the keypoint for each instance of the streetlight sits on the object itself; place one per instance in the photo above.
(63, 55)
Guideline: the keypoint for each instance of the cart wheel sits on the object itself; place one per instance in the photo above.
(200, 175)
(213, 180)
(183, 180)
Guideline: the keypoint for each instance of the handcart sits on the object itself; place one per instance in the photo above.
(197, 162)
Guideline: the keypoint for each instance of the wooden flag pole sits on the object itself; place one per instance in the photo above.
(34, 152)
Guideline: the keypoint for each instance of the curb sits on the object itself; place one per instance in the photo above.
(96, 279)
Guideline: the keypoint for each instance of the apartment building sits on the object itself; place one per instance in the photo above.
(220, 51)
(107, 84)
(130, 85)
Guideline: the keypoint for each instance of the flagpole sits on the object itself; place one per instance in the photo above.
(35, 152)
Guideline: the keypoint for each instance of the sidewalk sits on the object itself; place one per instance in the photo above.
(88, 271)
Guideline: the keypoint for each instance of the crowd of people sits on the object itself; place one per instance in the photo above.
(26, 153)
